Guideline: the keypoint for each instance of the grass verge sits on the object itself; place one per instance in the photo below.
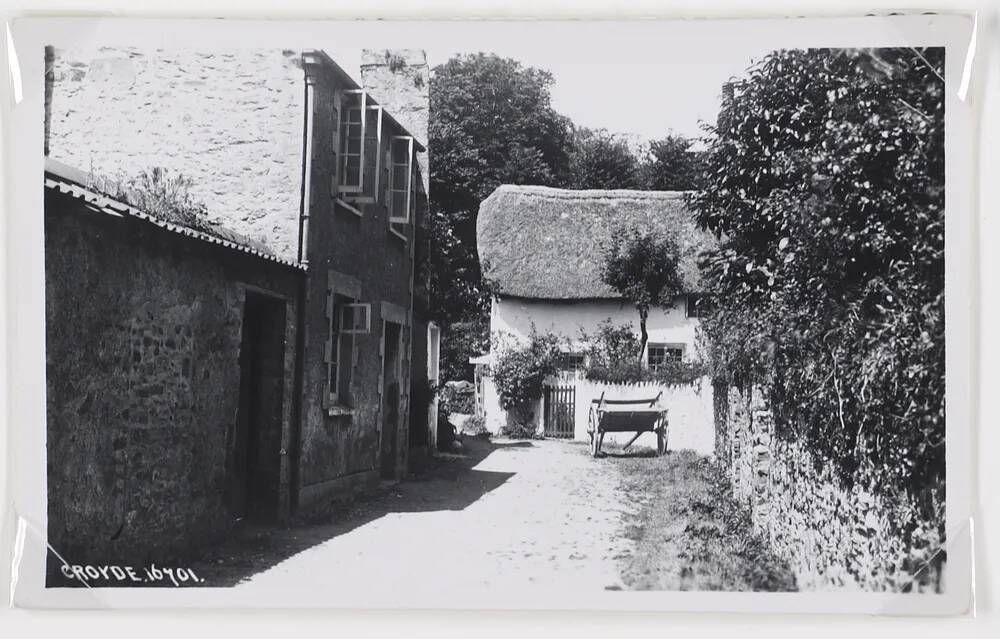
(689, 532)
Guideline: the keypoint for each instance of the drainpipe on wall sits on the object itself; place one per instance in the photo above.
(305, 205)
(50, 61)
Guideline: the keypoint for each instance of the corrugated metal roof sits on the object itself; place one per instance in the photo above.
(65, 179)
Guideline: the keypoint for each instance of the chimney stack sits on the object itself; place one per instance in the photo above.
(399, 80)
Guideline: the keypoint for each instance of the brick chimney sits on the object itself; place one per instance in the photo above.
(399, 80)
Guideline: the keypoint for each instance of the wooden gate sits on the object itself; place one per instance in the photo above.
(560, 410)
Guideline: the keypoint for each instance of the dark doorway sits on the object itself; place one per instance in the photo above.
(391, 379)
(255, 461)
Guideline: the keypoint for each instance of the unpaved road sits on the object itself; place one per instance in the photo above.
(539, 514)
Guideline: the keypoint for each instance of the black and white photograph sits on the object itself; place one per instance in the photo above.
(373, 318)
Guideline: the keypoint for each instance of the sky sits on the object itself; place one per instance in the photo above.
(638, 79)
(646, 98)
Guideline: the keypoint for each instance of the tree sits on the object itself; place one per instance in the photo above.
(672, 165)
(491, 123)
(825, 186)
(602, 160)
(643, 269)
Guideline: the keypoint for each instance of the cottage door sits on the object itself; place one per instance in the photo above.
(391, 397)
(254, 453)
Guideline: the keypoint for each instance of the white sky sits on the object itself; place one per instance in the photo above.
(639, 79)
(646, 98)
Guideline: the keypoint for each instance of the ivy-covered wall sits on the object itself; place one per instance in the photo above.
(833, 536)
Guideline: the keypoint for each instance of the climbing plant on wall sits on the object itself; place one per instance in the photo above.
(825, 187)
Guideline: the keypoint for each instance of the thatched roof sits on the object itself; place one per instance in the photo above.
(545, 243)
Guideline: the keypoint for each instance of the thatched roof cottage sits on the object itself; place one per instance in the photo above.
(542, 248)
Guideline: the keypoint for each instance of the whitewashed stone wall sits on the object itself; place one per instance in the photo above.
(231, 121)
(690, 411)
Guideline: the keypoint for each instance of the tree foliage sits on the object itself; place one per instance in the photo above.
(491, 123)
(459, 341)
(825, 185)
(644, 269)
(672, 165)
(602, 160)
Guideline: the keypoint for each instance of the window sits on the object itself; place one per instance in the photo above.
(433, 352)
(372, 164)
(571, 362)
(400, 179)
(352, 137)
(659, 354)
(347, 319)
(698, 305)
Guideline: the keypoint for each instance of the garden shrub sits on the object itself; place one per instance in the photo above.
(519, 429)
(475, 426)
(459, 397)
(613, 353)
(519, 371)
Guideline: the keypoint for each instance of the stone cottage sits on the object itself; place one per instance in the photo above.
(268, 355)
(541, 249)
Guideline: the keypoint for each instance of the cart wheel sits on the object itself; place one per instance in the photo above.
(595, 443)
(661, 444)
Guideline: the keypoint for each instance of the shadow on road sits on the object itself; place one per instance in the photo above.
(446, 482)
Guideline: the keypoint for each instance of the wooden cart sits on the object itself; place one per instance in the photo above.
(627, 416)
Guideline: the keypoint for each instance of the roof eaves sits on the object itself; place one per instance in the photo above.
(323, 59)
(102, 203)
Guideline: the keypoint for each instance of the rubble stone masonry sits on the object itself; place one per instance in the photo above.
(833, 537)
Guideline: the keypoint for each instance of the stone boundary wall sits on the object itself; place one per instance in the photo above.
(690, 411)
(833, 537)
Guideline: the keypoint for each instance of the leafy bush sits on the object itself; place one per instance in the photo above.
(519, 371)
(519, 430)
(613, 358)
(826, 189)
(475, 426)
(611, 345)
(667, 374)
(157, 192)
(459, 342)
(458, 397)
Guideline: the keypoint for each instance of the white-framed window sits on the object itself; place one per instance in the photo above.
(351, 156)
(572, 362)
(347, 319)
(433, 352)
(657, 355)
(401, 198)
(355, 318)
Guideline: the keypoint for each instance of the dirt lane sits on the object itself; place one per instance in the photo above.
(530, 514)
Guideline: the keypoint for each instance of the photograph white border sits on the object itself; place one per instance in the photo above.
(25, 294)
